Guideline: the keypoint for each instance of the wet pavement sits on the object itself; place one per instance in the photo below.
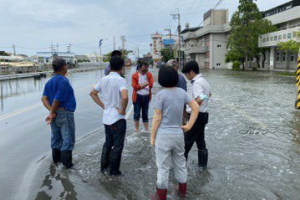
(253, 138)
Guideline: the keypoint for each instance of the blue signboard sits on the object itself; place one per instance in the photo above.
(168, 41)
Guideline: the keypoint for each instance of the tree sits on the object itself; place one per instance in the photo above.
(167, 54)
(246, 27)
(291, 45)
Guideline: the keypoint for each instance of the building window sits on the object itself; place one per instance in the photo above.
(284, 36)
(277, 56)
(283, 56)
(275, 38)
(292, 58)
(271, 39)
(294, 34)
(279, 37)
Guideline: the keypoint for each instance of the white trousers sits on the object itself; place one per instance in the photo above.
(169, 149)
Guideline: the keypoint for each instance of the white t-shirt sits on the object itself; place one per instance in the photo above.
(110, 88)
(143, 79)
(201, 89)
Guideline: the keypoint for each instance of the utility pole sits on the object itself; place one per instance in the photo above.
(57, 47)
(123, 42)
(114, 40)
(69, 48)
(14, 48)
(177, 16)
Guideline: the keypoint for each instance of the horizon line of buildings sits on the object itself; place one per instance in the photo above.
(208, 44)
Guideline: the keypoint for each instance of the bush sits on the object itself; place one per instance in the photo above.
(236, 65)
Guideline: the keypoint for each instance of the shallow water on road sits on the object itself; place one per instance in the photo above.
(253, 139)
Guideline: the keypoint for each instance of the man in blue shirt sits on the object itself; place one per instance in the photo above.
(59, 99)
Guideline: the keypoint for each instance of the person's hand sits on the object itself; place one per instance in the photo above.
(121, 112)
(143, 85)
(186, 128)
(50, 118)
(152, 142)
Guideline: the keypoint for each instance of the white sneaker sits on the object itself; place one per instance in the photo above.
(145, 131)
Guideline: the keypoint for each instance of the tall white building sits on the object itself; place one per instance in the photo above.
(160, 42)
(287, 18)
(208, 44)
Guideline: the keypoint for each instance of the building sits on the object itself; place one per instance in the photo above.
(160, 42)
(287, 18)
(16, 64)
(48, 57)
(208, 44)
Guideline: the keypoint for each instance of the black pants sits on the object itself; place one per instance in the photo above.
(113, 146)
(196, 134)
(142, 103)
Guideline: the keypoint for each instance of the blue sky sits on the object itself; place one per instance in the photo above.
(32, 25)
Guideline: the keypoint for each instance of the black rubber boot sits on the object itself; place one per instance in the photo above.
(115, 161)
(56, 155)
(105, 158)
(202, 158)
(66, 158)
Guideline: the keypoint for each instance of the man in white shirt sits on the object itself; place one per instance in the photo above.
(201, 93)
(113, 99)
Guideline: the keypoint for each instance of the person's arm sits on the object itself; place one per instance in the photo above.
(157, 118)
(46, 102)
(53, 111)
(136, 85)
(124, 96)
(96, 98)
(195, 111)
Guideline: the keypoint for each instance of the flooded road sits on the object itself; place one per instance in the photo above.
(253, 139)
(24, 135)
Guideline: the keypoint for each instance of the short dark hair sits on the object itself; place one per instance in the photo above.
(168, 76)
(116, 53)
(116, 63)
(144, 64)
(191, 66)
(58, 64)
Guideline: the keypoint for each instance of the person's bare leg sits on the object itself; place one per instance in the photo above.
(137, 126)
(146, 126)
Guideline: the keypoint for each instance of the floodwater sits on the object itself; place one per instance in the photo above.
(253, 139)
(24, 135)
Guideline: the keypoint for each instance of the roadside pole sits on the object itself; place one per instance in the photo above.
(177, 16)
(297, 103)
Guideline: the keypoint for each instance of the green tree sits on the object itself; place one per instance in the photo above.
(291, 45)
(167, 54)
(246, 27)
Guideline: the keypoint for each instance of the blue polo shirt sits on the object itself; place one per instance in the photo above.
(59, 88)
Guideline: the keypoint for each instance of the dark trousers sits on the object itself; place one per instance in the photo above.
(113, 146)
(196, 134)
(142, 103)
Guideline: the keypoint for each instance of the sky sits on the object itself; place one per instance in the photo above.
(33, 25)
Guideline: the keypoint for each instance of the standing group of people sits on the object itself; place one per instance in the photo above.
(179, 119)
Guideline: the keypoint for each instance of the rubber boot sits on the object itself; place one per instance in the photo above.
(182, 189)
(161, 194)
(56, 155)
(202, 158)
(66, 158)
(115, 161)
(105, 158)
